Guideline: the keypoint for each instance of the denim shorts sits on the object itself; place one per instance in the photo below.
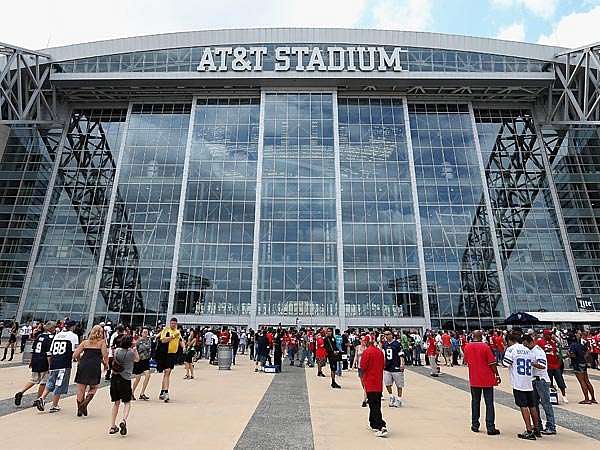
(58, 381)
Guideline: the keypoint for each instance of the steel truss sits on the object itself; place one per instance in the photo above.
(574, 97)
(87, 175)
(515, 174)
(26, 96)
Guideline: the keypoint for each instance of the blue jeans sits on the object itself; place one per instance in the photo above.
(417, 359)
(490, 412)
(541, 388)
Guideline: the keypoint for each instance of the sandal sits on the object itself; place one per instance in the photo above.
(594, 402)
(585, 402)
(123, 427)
(113, 430)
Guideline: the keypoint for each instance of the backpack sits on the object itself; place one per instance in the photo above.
(116, 366)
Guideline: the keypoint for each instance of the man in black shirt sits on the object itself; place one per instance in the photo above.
(333, 356)
(40, 362)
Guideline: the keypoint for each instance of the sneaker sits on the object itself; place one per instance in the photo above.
(398, 402)
(548, 432)
(144, 397)
(392, 403)
(493, 432)
(527, 435)
(335, 386)
(166, 398)
(382, 433)
(364, 404)
(18, 398)
(474, 429)
(565, 400)
(39, 404)
(161, 396)
(54, 409)
(537, 433)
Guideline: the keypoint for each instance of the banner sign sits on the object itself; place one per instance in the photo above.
(302, 59)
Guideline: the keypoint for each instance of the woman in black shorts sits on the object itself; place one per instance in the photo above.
(120, 382)
(577, 352)
(12, 342)
(142, 367)
(189, 355)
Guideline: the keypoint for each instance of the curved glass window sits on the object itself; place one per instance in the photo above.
(413, 59)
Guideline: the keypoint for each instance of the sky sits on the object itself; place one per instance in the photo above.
(567, 23)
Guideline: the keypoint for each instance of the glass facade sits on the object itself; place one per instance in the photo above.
(298, 205)
(414, 59)
(381, 268)
(461, 273)
(26, 161)
(576, 171)
(297, 242)
(65, 268)
(214, 275)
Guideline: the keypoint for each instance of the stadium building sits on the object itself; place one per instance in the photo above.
(303, 176)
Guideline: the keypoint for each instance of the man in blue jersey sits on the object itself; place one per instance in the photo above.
(40, 362)
(61, 360)
(393, 372)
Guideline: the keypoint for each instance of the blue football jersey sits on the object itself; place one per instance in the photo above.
(393, 353)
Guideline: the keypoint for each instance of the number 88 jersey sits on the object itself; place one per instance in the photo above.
(519, 360)
(62, 349)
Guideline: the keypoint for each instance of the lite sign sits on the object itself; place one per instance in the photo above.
(301, 59)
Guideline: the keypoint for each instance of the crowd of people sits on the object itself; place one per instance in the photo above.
(126, 357)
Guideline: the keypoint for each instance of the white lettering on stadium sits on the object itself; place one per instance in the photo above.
(300, 59)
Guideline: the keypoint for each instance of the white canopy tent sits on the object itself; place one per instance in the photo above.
(567, 317)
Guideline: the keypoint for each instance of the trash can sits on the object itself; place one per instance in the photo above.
(224, 356)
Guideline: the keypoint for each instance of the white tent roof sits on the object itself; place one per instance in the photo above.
(572, 317)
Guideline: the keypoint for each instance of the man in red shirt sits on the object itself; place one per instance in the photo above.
(498, 340)
(483, 376)
(447, 348)
(371, 364)
(548, 344)
(224, 336)
(431, 354)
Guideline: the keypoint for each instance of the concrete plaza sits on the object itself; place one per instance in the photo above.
(295, 410)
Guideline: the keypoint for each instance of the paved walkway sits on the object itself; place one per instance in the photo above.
(293, 410)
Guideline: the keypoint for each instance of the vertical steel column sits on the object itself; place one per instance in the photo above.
(109, 213)
(183, 193)
(490, 214)
(338, 214)
(558, 211)
(257, 213)
(415, 196)
(43, 216)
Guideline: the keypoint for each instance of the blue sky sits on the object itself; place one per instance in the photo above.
(568, 23)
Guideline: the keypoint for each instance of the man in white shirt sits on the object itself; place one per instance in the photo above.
(541, 385)
(208, 340)
(519, 361)
(25, 332)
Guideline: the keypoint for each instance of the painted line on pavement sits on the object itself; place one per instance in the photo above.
(284, 402)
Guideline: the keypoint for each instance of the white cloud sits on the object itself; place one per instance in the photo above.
(62, 22)
(541, 8)
(512, 32)
(411, 15)
(574, 30)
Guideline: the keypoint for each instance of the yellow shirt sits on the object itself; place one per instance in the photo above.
(173, 343)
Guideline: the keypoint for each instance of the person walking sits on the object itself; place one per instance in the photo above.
(548, 344)
(90, 355)
(63, 346)
(432, 354)
(189, 355)
(333, 355)
(262, 351)
(40, 362)
(170, 338)
(320, 354)
(393, 372)
(112, 338)
(124, 357)
(360, 349)
(143, 345)
(243, 342)
(483, 376)
(235, 345)
(12, 342)
(371, 364)
(208, 340)
(541, 385)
